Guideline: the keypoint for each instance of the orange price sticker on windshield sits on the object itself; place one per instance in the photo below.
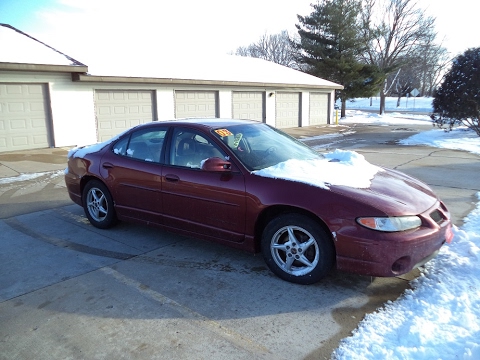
(223, 132)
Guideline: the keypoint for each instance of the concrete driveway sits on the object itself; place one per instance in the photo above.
(71, 291)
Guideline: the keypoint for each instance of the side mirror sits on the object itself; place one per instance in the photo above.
(216, 164)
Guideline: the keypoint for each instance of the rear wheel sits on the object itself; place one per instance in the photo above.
(98, 205)
(297, 249)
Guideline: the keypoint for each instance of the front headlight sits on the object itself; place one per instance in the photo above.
(390, 224)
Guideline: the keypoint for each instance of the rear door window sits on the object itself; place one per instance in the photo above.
(144, 145)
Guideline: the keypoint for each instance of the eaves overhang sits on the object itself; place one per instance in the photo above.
(43, 67)
(173, 81)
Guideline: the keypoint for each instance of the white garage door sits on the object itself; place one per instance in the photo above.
(287, 109)
(318, 109)
(119, 110)
(248, 105)
(23, 117)
(190, 104)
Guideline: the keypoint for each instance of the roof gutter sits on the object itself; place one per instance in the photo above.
(170, 81)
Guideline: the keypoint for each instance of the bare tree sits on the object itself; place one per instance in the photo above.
(393, 29)
(423, 70)
(276, 48)
(433, 62)
(403, 81)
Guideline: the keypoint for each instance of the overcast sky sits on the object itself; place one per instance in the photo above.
(81, 28)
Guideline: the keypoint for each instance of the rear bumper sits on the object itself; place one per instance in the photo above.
(374, 253)
(73, 187)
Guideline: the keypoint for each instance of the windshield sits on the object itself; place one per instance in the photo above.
(259, 146)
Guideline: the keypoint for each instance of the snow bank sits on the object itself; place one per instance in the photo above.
(439, 318)
(362, 117)
(460, 138)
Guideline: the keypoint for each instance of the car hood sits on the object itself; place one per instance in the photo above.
(393, 193)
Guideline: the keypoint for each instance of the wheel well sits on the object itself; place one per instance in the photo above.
(84, 181)
(274, 211)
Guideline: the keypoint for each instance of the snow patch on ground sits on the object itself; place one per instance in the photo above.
(31, 176)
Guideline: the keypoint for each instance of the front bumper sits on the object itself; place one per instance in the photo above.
(374, 253)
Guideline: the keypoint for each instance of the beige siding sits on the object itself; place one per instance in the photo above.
(319, 109)
(190, 104)
(119, 110)
(24, 115)
(287, 109)
(248, 105)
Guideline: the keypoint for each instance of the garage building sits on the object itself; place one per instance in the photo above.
(48, 99)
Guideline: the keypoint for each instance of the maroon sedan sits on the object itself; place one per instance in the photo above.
(250, 186)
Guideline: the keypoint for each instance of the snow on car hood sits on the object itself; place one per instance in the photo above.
(342, 168)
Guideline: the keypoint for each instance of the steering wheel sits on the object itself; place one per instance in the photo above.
(270, 150)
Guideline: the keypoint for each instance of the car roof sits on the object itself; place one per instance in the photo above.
(209, 123)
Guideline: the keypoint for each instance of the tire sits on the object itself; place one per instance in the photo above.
(98, 205)
(297, 249)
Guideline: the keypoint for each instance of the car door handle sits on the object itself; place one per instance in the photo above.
(107, 165)
(172, 178)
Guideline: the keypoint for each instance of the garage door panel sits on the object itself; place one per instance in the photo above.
(118, 96)
(19, 141)
(38, 123)
(35, 90)
(133, 123)
(102, 96)
(23, 116)
(119, 110)
(287, 110)
(38, 140)
(103, 110)
(195, 104)
(248, 105)
(16, 107)
(105, 125)
(319, 108)
(13, 89)
(18, 124)
(37, 107)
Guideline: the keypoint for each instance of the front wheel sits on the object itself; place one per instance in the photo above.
(297, 249)
(98, 205)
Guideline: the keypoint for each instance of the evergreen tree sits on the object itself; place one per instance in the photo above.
(330, 45)
(457, 101)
